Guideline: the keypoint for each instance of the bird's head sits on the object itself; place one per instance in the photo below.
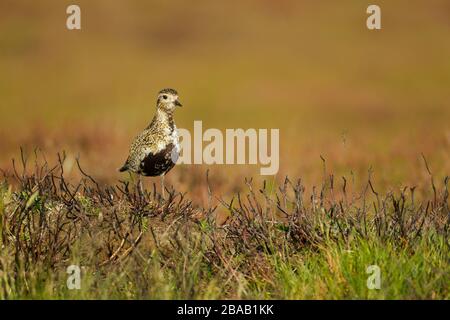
(168, 100)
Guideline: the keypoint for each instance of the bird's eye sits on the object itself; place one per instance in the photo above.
(164, 97)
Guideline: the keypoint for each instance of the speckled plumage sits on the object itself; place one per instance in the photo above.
(155, 150)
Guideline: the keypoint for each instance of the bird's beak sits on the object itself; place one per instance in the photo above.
(178, 103)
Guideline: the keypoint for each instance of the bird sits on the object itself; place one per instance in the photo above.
(155, 150)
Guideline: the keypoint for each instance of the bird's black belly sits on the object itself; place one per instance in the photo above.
(158, 163)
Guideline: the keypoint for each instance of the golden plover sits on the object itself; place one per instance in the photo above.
(155, 151)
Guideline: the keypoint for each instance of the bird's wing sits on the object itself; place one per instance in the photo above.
(146, 143)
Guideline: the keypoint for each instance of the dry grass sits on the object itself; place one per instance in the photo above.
(264, 243)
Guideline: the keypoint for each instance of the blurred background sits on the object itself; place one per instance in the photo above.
(363, 100)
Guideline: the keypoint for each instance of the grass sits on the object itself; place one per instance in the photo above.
(283, 244)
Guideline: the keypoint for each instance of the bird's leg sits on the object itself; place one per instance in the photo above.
(162, 186)
(136, 181)
(131, 177)
(133, 181)
(141, 188)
